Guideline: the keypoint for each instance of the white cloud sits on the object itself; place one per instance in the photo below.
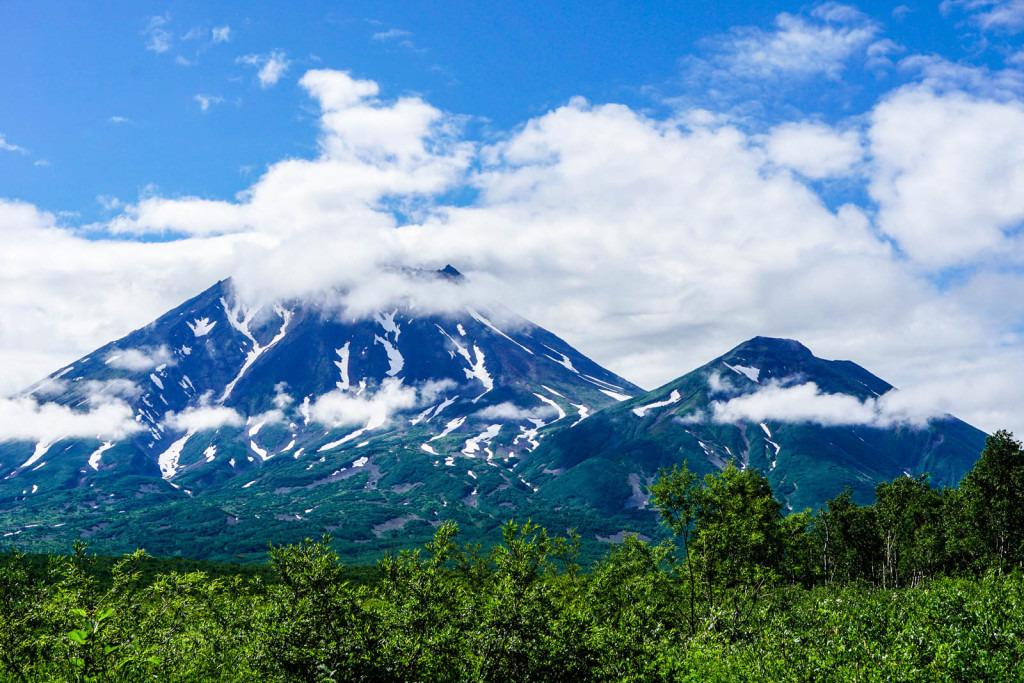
(813, 149)
(203, 418)
(205, 101)
(221, 34)
(8, 147)
(159, 39)
(101, 390)
(119, 119)
(139, 360)
(25, 419)
(621, 232)
(510, 411)
(195, 33)
(821, 43)
(337, 408)
(1001, 15)
(390, 34)
(803, 403)
(271, 66)
(948, 176)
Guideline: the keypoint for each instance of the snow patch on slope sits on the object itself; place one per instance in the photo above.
(673, 398)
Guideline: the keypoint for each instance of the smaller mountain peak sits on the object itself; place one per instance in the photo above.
(450, 272)
(773, 345)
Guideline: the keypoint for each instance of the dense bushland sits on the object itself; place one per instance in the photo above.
(923, 585)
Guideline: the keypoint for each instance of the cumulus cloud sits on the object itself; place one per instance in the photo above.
(270, 66)
(203, 418)
(805, 402)
(25, 419)
(651, 244)
(139, 360)
(337, 408)
(947, 174)
(813, 149)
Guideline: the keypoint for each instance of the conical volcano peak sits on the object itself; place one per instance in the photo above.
(771, 347)
(450, 271)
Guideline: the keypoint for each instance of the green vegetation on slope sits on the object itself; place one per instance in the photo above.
(923, 585)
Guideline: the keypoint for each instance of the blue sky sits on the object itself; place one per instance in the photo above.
(655, 182)
(106, 93)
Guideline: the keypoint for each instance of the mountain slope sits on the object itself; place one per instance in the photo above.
(244, 425)
(812, 426)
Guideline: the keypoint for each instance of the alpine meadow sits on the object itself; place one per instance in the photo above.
(378, 341)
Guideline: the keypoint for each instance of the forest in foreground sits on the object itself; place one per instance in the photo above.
(923, 585)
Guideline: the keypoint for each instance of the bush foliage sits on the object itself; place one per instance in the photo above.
(924, 585)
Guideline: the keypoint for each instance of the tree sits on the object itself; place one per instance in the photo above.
(675, 494)
(908, 512)
(993, 499)
(729, 524)
(848, 538)
(737, 535)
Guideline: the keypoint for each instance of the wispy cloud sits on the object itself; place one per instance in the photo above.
(399, 37)
(271, 66)
(819, 43)
(999, 15)
(139, 360)
(119, 119)
(9, 147)
(206, 101)
(159, 39)
(195, 33)
(221, 34)
(391, 34)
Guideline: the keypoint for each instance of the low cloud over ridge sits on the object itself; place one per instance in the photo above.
(800, 403)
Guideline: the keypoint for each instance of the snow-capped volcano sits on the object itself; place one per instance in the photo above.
(216, 396)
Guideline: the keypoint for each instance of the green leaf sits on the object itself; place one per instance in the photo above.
(79, 636)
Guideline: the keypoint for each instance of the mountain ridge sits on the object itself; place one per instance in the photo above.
(248, 425)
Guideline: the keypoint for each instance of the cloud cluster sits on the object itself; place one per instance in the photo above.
(25, 419)
(805, 402)
(1000, 15)
(799, 45)
(948, 176)
(652, 243)
(203, 418)
(813, 149)
(338, 408)
(270, 66)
